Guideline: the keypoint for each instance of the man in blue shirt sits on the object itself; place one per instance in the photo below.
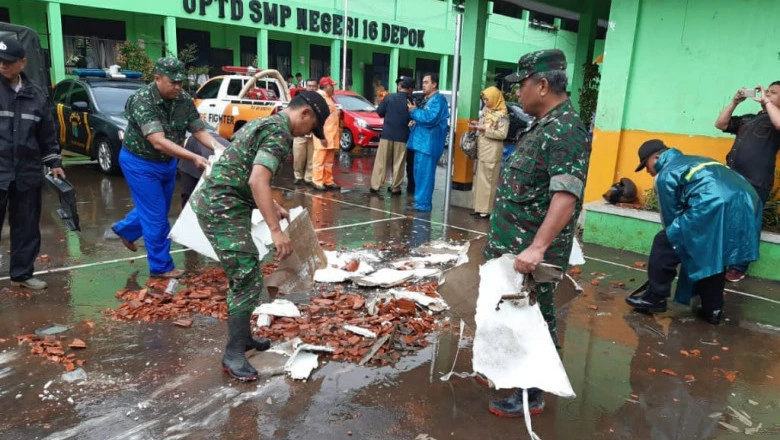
(427, 139)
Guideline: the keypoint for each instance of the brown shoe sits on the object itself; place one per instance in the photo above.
(173, 273)
(128, 244)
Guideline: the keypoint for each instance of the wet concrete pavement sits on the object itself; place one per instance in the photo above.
(157, 381)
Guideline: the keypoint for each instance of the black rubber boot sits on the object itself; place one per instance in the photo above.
(647, 303)
(712, 316)
(234, 361)
(259, 344)
(512, 407)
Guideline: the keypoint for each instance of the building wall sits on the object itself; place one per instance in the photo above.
(508, 38)
(669, 68)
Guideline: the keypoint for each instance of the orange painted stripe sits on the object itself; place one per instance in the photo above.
(614, 156)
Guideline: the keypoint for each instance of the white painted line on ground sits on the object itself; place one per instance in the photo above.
(359, 224)
(379, 210)
(97, 263)
(398, 217)
(726, 290)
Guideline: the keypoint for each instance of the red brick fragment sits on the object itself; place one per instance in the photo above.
(352, 266)
(186, 323)
(77, 343)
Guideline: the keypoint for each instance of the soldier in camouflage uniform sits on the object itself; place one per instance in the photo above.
(158, 116)
(540, 190)
(239, 182)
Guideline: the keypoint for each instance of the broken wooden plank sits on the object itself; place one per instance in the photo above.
(374, 349)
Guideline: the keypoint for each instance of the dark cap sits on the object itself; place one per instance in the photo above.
(170, 67)
(407, 82)
(11, 49)
(537, 62)
(320, 108)
(647, 150)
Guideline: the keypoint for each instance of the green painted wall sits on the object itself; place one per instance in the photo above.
(617, 232)
(636, 235)
(509, 38)
(689, 57)
(598, 48)
(616, 70)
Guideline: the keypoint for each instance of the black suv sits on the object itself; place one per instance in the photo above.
(89, 115)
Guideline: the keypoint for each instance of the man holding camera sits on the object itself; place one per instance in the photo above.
(427, 139)
(754, 152)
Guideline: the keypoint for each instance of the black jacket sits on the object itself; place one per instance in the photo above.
(27, 136)
(393, 108)
(194, 145)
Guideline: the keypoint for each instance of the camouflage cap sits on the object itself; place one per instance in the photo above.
(170, 67)
(536, 62)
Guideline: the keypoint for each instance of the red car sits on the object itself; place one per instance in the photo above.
(362, 126)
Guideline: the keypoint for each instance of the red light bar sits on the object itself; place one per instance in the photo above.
(243, 70)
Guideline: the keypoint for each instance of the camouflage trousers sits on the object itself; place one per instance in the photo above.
(245, 278)
(232, 241)
(546, 301)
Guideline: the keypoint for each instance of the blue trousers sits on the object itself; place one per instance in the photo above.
(151, 185)
(424, 177)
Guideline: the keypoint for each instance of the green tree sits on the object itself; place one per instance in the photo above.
(589, 93)
(133, 57)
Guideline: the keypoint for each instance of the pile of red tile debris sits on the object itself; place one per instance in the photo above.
(322, 323)
(51, 347)
(203, 293)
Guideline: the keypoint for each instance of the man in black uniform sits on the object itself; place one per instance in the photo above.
(28, 141)
(395, 132)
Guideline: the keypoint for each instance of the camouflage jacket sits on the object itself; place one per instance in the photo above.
(147, 113)
(551, 156)
(225, 193)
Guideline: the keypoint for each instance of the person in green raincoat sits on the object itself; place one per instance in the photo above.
(712, 219)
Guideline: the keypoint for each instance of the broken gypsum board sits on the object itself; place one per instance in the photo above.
(360, 331)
